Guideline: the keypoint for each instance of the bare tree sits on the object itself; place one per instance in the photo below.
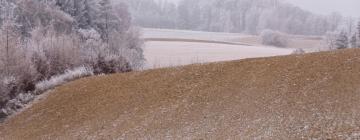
(330, 40)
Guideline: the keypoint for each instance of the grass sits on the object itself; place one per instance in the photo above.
(289, 97)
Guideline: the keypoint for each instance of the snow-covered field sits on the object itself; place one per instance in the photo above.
(184, 34)
(174, 53)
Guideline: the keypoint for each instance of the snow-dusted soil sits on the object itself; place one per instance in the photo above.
(189, 47)
(312, 97)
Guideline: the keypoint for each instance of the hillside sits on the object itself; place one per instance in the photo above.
(287, 97)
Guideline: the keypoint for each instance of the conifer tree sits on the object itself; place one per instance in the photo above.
(342, 41)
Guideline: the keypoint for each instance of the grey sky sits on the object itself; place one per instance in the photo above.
(345, 7)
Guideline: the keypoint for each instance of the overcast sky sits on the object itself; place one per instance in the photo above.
(345, 7)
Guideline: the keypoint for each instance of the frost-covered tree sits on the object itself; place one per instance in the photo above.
(350, 27)
(10, 40)
(42, 39)
(357, 35)
(342, 41)
(152, 13)
(106, 21)
(80, 10)
(189, 14)
(354, 41)
(330, 40)
(358, 29)
(121, 11)
(16, 71)
(334, 21)
(345, 36)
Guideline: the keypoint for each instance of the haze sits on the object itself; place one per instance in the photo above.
(345, 7)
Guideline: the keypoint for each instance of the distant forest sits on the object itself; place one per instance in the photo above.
(239, 16)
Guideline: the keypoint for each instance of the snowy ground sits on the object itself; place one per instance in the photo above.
(184, 34)
(174, 53)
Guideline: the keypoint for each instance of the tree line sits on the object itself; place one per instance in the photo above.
(240, 16)
(347, 36)
(247, 16)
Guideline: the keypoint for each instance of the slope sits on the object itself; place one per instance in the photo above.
(286, 97)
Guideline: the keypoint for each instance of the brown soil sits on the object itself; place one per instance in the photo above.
(290, 97)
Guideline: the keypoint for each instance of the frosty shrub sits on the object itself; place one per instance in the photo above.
(15, 104)
(61, 79)
(6, 85)
(274, 38)
(111, 64)
(53, 53)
